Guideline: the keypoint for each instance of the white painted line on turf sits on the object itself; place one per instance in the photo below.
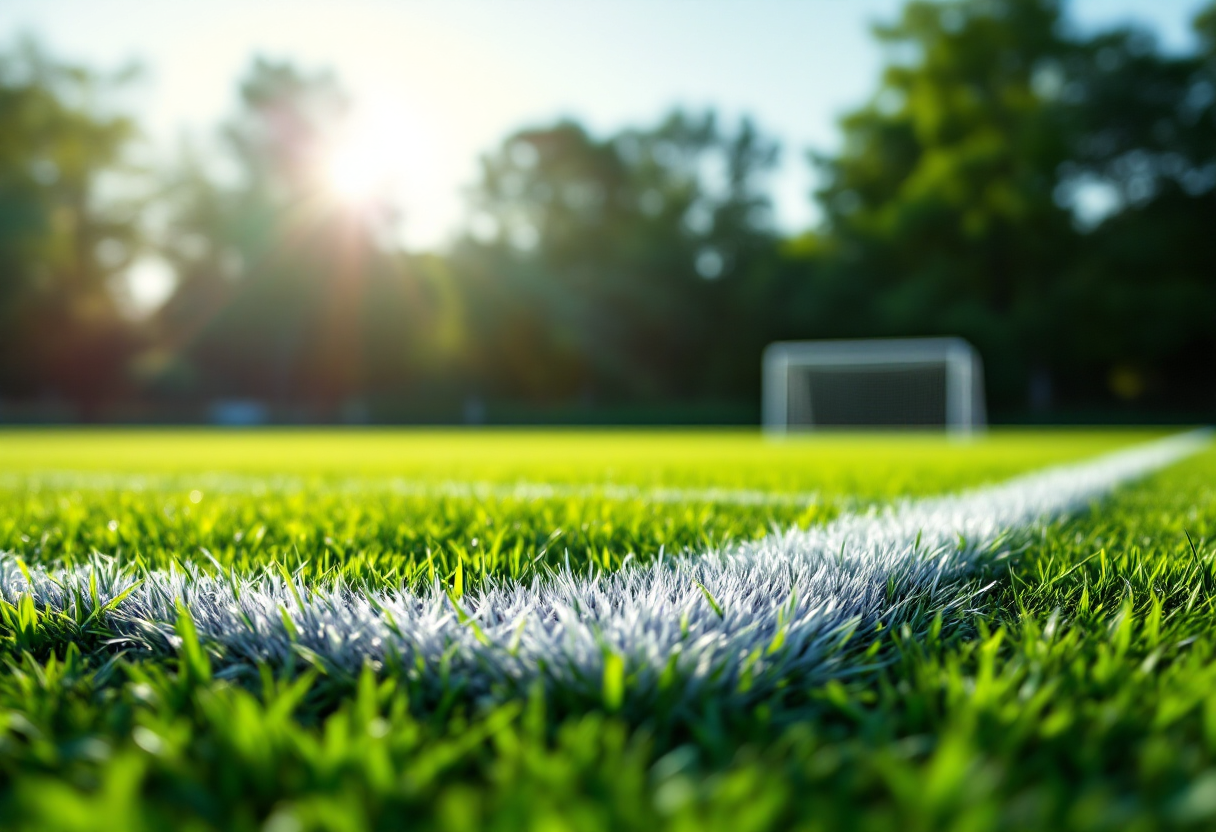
(740, 621)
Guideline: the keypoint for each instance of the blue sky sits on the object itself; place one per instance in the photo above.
(458, 75)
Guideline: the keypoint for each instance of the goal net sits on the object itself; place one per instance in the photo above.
(898, 383)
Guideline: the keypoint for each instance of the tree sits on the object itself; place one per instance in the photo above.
(940, 210)
(1142, 293)
(62, 245)
(606, 269)
(286, 292)
(963, 203)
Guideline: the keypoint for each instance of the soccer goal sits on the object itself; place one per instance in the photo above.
(898, 383)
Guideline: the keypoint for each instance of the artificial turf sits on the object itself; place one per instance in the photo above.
(1076, 693)
(387, 506)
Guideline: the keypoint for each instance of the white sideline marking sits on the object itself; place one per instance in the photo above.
(224, 483)
(780, 609)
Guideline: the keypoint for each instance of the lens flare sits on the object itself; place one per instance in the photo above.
(354, 174)
(367, 160)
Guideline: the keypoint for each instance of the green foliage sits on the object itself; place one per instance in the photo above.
(608, 268)
(1043, 191)
(62, 241)
(964, 202)
(286, 292)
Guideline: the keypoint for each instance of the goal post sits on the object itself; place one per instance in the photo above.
(892, 383)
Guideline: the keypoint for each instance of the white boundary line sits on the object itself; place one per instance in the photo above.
(741, 621)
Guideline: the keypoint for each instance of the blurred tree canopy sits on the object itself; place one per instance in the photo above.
(1046, 195)
(285, 293)
(1044, 192)
(611, 270)
(63, 240)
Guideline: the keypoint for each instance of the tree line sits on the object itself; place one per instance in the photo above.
(1050, 195)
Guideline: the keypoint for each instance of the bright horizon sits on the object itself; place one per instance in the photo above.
(454, 78)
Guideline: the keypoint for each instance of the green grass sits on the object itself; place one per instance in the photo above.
(1078, 694)
(869, 464)
(326, 500)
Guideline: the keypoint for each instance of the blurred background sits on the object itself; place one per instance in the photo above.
(546, 212)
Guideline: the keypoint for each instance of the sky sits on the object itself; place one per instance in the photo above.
(446, 81)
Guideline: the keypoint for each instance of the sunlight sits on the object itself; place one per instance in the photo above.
(367, 161)
(354, 173)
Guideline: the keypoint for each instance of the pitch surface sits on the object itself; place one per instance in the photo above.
(582, 630)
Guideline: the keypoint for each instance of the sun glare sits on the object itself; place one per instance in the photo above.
(353, 173)
(367, 160)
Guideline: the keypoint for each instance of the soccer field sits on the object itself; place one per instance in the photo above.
(606, 630)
